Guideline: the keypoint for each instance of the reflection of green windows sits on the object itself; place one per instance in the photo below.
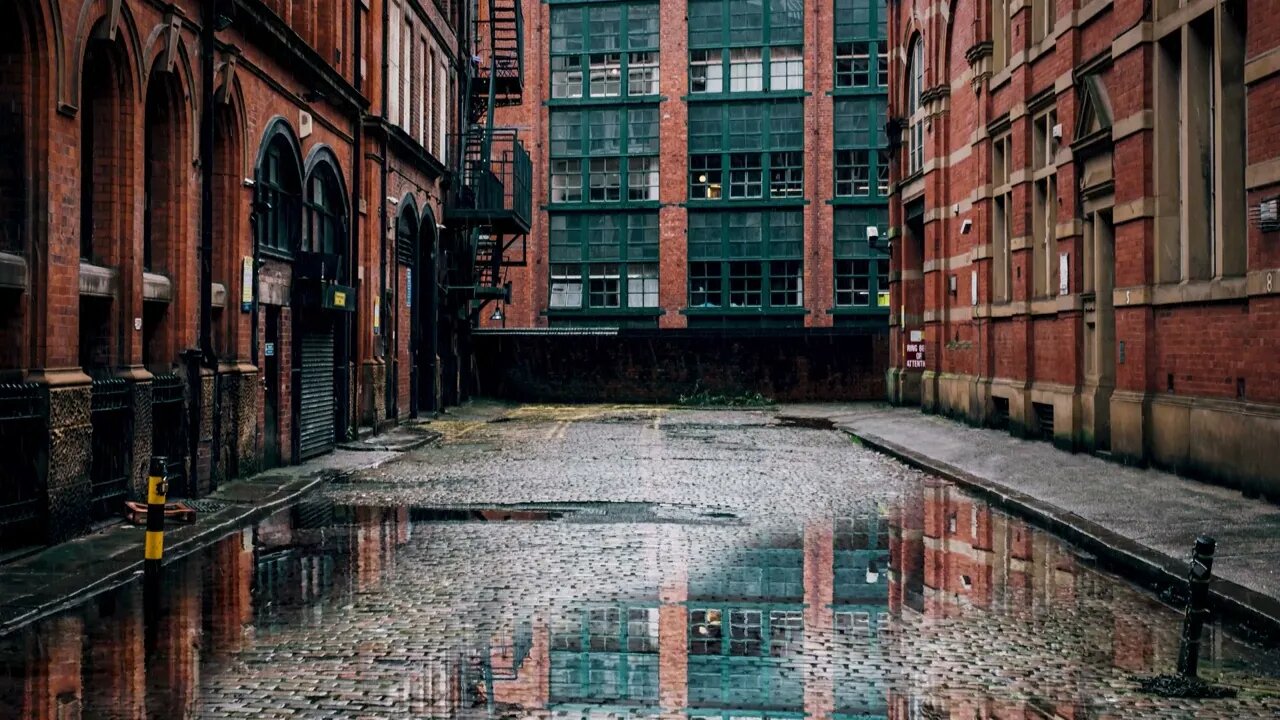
(606, 654)
(746, 632)
(605, 50)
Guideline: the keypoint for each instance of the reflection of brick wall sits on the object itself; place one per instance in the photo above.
(819, 592)
(53, 688)
(532, 687)
(231, 603)
(114, 682)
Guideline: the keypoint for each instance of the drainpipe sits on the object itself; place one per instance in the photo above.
(205, 276)
(355, 338)
(382, 201)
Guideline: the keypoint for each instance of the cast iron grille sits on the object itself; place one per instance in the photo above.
(1044, 419)
(169, 426)
(111, 413)
(24, 411)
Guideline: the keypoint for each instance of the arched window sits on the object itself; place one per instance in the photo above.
(915, 117)
(279, 196)
(324, 219)
(407, 235)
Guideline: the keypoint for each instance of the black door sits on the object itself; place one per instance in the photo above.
(271, 389)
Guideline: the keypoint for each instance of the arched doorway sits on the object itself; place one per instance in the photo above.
(319, 308)
(278, 227)
(399, 323)
(165, 180)
(425, 292)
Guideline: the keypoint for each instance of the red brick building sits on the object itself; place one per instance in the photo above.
(322, 307)
(1084, 225)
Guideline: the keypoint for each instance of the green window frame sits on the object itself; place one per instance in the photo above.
(861, 271)
(604, 155)
(603, 262)
(604, 51)
(746, 152)
(606, 654)
(738, 46)
(752, 260)
(862, 53)
(861, 168)
(746, 631)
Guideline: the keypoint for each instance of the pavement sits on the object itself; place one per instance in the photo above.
(64, 575)
(1142, 522)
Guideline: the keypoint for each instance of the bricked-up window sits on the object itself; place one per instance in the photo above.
(612, 152)
(1002, 217)
(862, 57)
(757, 44)
(279, 197)
(1044, 203)
(604, 50)
(1043, 17)
(861, 271)
(1200, 152)
(862, 159)
(915, 109)
(605, 654)
(758, 147)
(1001, 26)
(741, 260)
(604, 261)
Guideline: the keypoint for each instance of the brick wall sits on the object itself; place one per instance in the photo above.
(660, 366)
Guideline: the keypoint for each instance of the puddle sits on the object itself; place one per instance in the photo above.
(808, 423)
(931, 605)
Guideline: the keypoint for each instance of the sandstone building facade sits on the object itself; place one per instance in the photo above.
(1084, 225)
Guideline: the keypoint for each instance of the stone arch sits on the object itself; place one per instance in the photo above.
(110, 20)
(326, 203)
(167, 52)
(278, 179)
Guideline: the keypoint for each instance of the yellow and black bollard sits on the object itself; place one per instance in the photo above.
(157, 489)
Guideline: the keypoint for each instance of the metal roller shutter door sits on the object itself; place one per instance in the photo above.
(316, 428)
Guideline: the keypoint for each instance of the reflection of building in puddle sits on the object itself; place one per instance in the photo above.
(787, 627)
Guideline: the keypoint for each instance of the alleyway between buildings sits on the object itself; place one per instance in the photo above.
(594, 562)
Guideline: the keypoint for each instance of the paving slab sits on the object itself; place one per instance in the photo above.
(1142, 519)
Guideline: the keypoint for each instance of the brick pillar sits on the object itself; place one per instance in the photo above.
(819, 635)
(819, 163)
(673, 165)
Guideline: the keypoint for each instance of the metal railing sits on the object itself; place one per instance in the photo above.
(169, 427)
(501, 183)
(24, 433)
(111, 414)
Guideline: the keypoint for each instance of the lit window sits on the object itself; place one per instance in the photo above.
(705, 177)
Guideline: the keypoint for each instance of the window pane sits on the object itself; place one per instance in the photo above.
(746, 70)
(705, 287)
(642, 74)
(642, 182)
(642, 292)
(566, 286)
(745, 290)
(605, 28)
(566, 30)
(786, 69)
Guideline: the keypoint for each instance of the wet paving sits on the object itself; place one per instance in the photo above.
(628, 563)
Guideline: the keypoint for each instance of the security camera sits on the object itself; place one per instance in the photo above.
(873, 233)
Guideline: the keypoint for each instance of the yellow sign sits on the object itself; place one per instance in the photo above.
(339, 299)
(883, 299)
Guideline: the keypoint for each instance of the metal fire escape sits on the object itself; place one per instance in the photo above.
(492, 205)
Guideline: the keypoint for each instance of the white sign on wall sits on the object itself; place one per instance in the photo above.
(1064, 273)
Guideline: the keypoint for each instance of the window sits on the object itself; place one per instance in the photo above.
(280, 197)
(861, 267)
(604, 261)
(395, 26)
(853, 64)
(1200, 145)
(609, 144)
(915, 111)
(751, 633)
(862, 160)
(1043, 17)
(746, 70)
(862, 59)
(748, 143)
(786, 633)
(407, 75)
(1000, 27)
(746, 260)
(1002, 217)
(323, 224)
(605, 655)
(758, 40)
(1044, 203)
(421, 72)
(612, 49)
(786, 69)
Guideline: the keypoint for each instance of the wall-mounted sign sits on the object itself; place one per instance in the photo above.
(1064, 273)
(269, 349)
(408, 287)
(246, 285)
(914, 351)
(377, 316)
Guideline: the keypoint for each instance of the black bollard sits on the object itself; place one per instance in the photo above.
(1197, 606)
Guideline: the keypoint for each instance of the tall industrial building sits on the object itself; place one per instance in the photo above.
(702, 165)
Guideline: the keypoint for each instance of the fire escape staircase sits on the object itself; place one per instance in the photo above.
(492, 204)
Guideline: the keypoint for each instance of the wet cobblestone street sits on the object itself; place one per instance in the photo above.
(603, 563)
